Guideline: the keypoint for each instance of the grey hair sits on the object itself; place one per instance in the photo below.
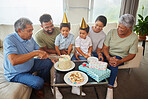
(127, 20)
(21, 24)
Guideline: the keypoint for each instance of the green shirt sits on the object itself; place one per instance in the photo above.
(43, 39)
(121, 46)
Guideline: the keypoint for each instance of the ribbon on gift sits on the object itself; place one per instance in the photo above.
(84, 65)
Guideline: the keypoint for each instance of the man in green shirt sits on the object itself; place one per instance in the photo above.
(45, 37)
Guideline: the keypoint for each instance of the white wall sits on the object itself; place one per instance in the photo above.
(76, 9)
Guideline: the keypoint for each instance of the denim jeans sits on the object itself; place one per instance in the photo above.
(36, 82)
(114, 71)
(94, 54)
(80, 57)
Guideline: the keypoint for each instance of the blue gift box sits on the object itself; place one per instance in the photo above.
(84, 68)
(94, 73)
(98, 75)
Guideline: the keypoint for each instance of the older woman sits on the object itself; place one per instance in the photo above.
(98, 36)
(120, 46)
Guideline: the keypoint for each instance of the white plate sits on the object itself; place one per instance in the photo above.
(92, 58)
(71, 84)
(57, 67)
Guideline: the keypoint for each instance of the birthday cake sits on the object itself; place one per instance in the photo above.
(76, 78)
(65, 62)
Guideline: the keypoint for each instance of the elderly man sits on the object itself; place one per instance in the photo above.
(19, 62)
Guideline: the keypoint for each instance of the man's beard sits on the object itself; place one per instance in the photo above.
(49, 31)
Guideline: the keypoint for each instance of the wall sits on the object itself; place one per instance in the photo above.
(76, 9)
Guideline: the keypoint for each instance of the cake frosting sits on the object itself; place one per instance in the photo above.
(65, 62)
(76, 78)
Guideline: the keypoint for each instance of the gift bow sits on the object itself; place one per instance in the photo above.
(84, 65)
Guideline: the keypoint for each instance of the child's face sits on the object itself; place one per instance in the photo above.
(83, 34)
(98, 26)
(65, 31)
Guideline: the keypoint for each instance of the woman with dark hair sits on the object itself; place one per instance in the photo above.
(97, 36)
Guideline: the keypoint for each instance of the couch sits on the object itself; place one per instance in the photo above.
(10, 90)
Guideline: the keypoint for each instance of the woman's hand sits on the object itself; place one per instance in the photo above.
(114, 62)
(117, 62)
(111, 60)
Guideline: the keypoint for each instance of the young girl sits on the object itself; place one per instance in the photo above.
(98, 36)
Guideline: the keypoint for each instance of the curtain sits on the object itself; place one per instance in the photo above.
(129, 7)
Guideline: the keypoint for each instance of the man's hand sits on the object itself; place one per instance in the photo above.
(54, 58)
(42, 54)
(53, 61)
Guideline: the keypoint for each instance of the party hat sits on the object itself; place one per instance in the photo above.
(65, 20)
(83, 24)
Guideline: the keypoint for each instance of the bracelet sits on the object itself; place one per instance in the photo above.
(107, 56)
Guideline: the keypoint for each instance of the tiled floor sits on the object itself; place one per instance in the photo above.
(130, 86)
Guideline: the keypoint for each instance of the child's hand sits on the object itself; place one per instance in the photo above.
(86, 56)
(63, 52)
(100, 58)
(89, 54)
(66, 51)
(76, 55)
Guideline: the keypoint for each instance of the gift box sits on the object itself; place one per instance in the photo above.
(98, 65)
(98, 75)
(84, 67)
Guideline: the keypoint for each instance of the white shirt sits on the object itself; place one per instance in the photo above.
(84, 44)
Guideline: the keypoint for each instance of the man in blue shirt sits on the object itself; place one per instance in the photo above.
(19, 62)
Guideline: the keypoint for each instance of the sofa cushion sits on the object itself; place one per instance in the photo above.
(1, 63)
(11, 90)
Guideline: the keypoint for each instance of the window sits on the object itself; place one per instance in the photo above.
(11, 10)
(145, 12)
(108, 8)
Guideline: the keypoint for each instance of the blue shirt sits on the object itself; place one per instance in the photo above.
(13, 43)
(63, 42)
